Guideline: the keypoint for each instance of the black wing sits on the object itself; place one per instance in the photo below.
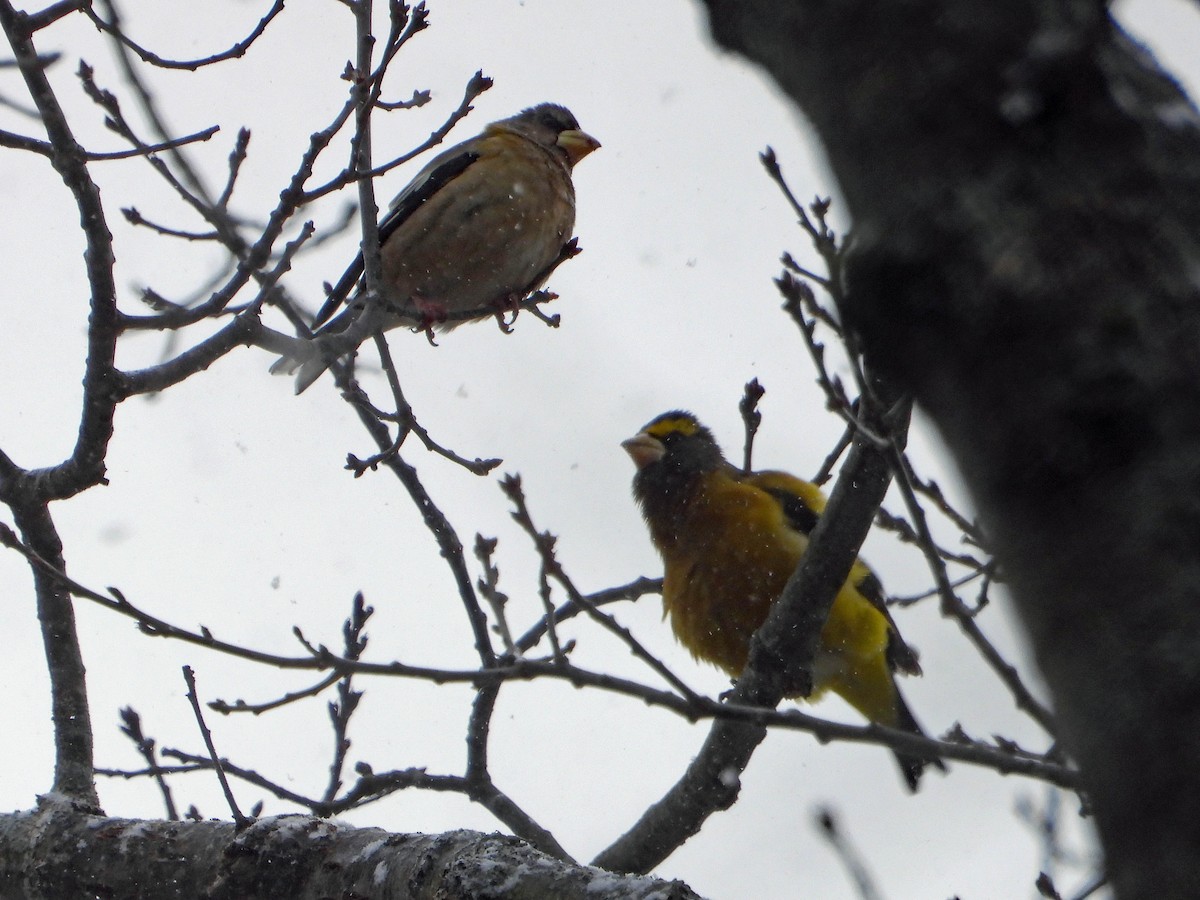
(900, 656)
(430, 180)
(802, 516)
(799, 514)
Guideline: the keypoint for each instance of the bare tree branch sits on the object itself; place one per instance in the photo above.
(287, 858)
(235, 51)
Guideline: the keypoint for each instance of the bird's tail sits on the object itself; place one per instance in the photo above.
(306, 370)
(871, 689)
(308, 360)
(910, 766)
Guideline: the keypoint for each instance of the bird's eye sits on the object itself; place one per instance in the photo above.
(557, 120)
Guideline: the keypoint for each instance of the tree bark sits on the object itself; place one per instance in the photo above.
(1025, 190)
(59, 850)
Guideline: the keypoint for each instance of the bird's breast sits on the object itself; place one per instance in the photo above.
(487, 239)
(728, 561)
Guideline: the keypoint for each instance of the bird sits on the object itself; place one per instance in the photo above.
(729, 541)
(480, 227)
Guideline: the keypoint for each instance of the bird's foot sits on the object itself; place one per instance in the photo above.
(508, 304)
(431, 313)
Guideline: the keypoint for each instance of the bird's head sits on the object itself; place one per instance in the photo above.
(554, 126)
(670, 453)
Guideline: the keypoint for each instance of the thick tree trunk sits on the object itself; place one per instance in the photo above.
(58, 851)
(1025, 191)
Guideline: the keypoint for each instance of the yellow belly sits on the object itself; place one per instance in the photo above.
(736, 564)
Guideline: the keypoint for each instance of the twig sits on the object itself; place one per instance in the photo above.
(340, 711)
(904, 530)
(237, 50)
(482, 789)
(407, 419)
(953, 607)
(51, 14)
(134, 217)
(239, 820)
(238, 706)
(825, 472)
(131, 727)
(827, 827)
(751, 419)
(913, 599)
(435, 520)
(475, 86)
(822, 236)
(544, 542)
(45, 148)
(632, 591)
(489, 587)
(797, 295)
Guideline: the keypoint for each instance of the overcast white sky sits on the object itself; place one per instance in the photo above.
(229, 505)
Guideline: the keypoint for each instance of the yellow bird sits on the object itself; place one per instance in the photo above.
(729, 541)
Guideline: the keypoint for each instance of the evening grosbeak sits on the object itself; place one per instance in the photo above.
(730, 541)
(479, 228)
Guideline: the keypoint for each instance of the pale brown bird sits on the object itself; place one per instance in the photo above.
(478, 229)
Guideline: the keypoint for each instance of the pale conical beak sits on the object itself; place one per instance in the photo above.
(577, 144)
(644, 449)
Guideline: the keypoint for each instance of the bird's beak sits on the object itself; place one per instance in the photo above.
(576, 144)
(644, 449)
